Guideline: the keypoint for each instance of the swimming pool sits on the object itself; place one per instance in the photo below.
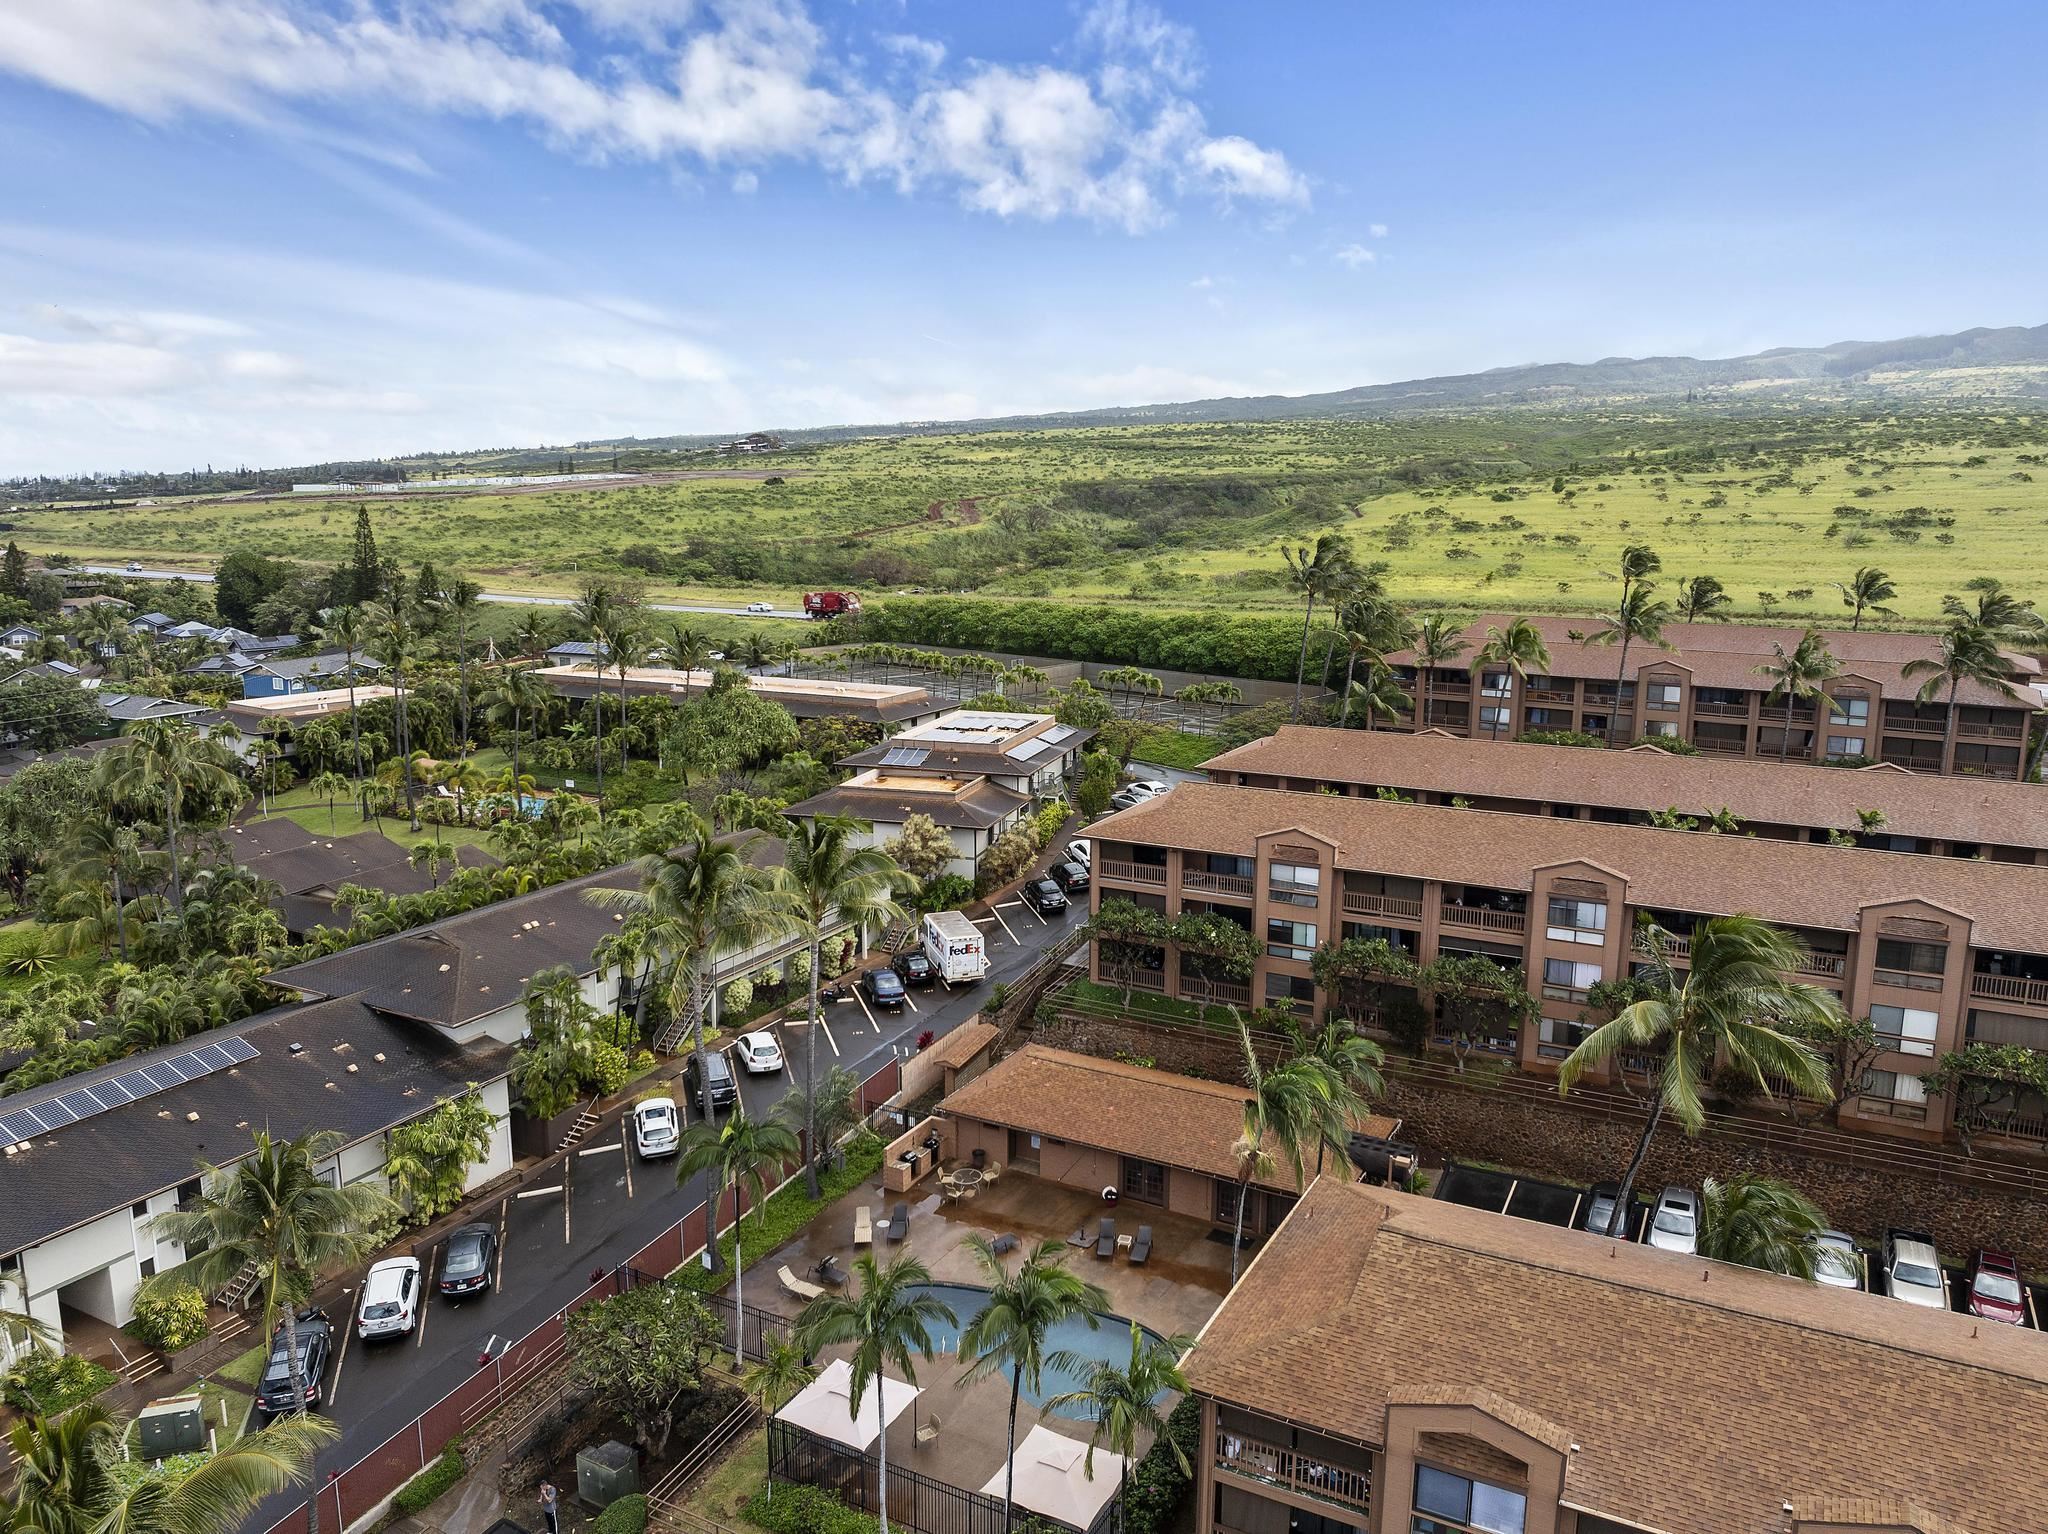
(1108, 1342)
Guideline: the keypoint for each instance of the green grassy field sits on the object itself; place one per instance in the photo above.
(1515, 509)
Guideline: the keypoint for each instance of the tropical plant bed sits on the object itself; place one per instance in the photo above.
(787, 1211)
(225, 1411)
(49, 1383)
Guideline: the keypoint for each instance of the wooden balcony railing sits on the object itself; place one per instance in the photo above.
(1148, 980)
(1222, 993)
(1991, 731)
(1550, 695)
(1485, 918)
(1134, 873)
(1298, 1472)
(1913, 726)
(1382, 905)
(1722, 710)
(1828, 965)
(2010, 988)
(1215, 884)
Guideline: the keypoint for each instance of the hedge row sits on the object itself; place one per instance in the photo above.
(1218, 643)
(793, 1509)
(628, 1515)
(416, 1494)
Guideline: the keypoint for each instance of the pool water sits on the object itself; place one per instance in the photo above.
(1108, 1342)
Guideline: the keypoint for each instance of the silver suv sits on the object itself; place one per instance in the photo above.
(1675, 1226)
(1912, 1269)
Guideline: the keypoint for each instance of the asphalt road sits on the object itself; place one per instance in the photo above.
(510, 598)
(607, 1207)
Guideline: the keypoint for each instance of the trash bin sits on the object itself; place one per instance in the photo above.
(980, 1158)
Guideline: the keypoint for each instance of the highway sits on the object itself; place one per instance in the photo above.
(605, 1207)
(513, 599)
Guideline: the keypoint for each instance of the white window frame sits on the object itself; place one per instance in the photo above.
(1916, 1033)
(1589, 921)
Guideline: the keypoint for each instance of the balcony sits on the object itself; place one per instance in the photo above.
(1221, 993)
(1906, 979)
(1295, 1471)
(1714, 747)
(1484, 918)
(1893, 726)
(1991, 731)
(1721, 710)
(1215, 884)
(2010, 988)
(1134, 873)
(1550, 695)
(1356, 904)
(1828, 966)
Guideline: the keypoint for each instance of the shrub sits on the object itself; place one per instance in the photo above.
(1158, 1486)
(1670, 743)
(628, 1515)
(416, 1494)
(805, 1510)
(609, 1069)
(170, 1319)
(1559, 738)
(1007, 859)
(948, 892)
(739, 995)
(769, 977)
(797, 968)
(1045, 825)
(50, 1383)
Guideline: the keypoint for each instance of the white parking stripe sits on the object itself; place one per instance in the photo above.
(427, 1288)
(627, 1158)
(340, 1358)
(998, 915)
(864, 1007)
(498, 1281)
(553, 1187)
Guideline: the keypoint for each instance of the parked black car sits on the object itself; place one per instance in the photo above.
(316, 1349)
(1070, 877)
(466, 1265)
(883, 988)
(1046, 897)
(725, 1091)
(913, 968)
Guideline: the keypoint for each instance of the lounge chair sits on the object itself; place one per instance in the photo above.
(803, 1289)
(1141, 1245)
(899, 1222)
(863, 1226)
(1105, 1238)
(929, 1428)
(1003, 1243)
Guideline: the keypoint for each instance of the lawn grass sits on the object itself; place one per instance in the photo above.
(1165, 1009)
(722, 1494)
(27, 936)
(226, 1411)
(302, 807)
(1162, 747)
(245, 1369)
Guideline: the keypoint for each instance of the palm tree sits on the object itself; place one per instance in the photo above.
(1639, 617)
(1638, 561)
(689, 647)
(517, 697)
(166, 761)
(781, 1373)
(1122, 1400)
(63, 1483)
(393, 636)
(329, 786)
(1732, 1003)
(742, 1153)
(1352, 1059)
(345, 627)
(628, 643)
(1292, 1104)
(1800, 675)
(1517, 647)
(1438, 641)
(888, 1316)
(102, 849)
(1966, 652)
(824, 877)
(1378, 696)
(1760, 1222)
(1866, 591)
(1996, 609)
(597, 612)
(462, 598)
(1703, 598)
(274, 1211)
(1373, 628)
(1315, 572)
(1008, 1337)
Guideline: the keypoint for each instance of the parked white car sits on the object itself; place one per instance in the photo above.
(1912, 1270)
(1675, 1226)
(1080, 852)
(1836, 1262)
(760, 607)
(1150, 788)
(391, 1299)
(657, 1129)
(758, 1053)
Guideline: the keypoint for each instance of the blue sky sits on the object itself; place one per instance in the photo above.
(281, 231)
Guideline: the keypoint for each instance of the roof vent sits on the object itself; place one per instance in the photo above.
(192, 1118)
(295, 1048)
(332, 1087)
(378, 1057)
(444, 969)
(163, 1113)
(352, 1067)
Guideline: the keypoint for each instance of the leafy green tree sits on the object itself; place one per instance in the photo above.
(14, 572)
(427, 1160)
(1009, 1336)
(1759, 1222)
(1867, 591)
(560, 1054)
(1800, 675)
(1732, 1003)
(1081, 707)
(745, 1153)
(1980, 1076)
(1516, 648)
(1324, 570)
(1703, 599)
(1099, 774)
(50, 713)
(886, 1318)
(1121, 1401)
(365, 574)
(243, 582)
(164, 764)
(923, 849)
(643, 1352)
(729, 727)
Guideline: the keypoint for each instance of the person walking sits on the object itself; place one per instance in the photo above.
(551, 1506)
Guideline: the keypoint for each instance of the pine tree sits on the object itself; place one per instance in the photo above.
(365, 577)
(14, 572)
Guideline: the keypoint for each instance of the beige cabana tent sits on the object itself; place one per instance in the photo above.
(825, 1406)
(1052, 1478)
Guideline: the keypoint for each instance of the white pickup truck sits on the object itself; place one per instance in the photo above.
(953, 944)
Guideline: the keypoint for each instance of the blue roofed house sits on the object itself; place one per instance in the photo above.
(305, 673)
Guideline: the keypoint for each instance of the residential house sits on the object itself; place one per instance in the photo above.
(310, 870)
(20, 636)
(804, 697)
(1702, 686)
(1390, 1364)
(273, 678)
(1938, 952)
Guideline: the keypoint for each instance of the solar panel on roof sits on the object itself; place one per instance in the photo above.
(212, 1056)
(131, 1086)
(81, 1103)
(19, 1126)
(54, 1114)
(905, 756)
(134, 1083)
(238, 1049)
(111, 1093)
(162, 1075)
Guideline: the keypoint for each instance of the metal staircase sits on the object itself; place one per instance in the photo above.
(675, 1033)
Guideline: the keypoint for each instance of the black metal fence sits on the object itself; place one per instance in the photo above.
(915, 1500)
(761, 1325)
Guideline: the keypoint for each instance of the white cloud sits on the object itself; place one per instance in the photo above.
(746, 183)
(261, 364)
(1203, 281)
(87, 369)
(1355, 256)
(1378, 231)
(727, 82)
(648, 359)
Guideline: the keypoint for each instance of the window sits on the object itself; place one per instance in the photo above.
(146, 1268)
(1494, 684)
(1578, 921)
(1287, 988)
(1894, 1086)
(1535, 681)
(1569, 980)
(1144, 1181)
(1854, 711)
(1909, 1030)
(1917, 966)
(1223, 863)
(1663, 694)
(1494, 717)
(1845, 745)
(1663, 729)
(1451, 1504)
(1294, 883)
(1290, 939)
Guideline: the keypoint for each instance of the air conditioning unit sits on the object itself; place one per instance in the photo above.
(174, 1425)
(605, 1473)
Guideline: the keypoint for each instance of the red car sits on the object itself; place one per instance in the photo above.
(1995, 1289)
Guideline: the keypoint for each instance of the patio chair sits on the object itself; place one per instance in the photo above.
(803, 1289)
(863, 1226)
(1003, 1243)
(899, 1222)
(1141, 1245)
(929, 1428)
(1105, 1238)
(992, 1171)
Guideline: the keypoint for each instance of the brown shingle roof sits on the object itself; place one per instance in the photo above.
(1128, 1109)
(1725, 655)
(1793, 883)
(979, 806)
(1701, 1397)
(1915, 804)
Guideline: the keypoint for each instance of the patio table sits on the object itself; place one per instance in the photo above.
(966, 1177)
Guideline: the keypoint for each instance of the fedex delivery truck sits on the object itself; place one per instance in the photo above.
(953, 944)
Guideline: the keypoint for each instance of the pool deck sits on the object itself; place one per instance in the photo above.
(1175, 1292)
